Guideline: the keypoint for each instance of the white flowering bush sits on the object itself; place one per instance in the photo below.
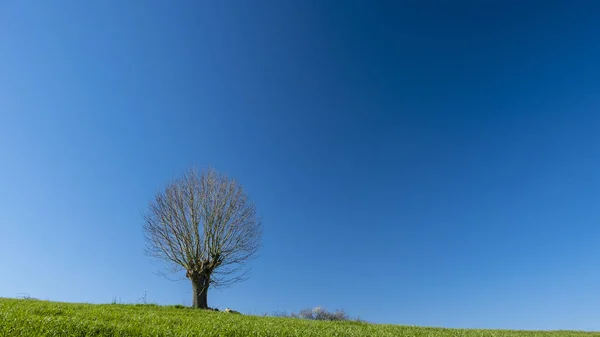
(317, 314)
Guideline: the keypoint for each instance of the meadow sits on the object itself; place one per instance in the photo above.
(19, 317)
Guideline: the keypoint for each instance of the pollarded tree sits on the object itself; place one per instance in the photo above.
(205, 225)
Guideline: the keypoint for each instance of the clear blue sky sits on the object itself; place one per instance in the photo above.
(414, 163)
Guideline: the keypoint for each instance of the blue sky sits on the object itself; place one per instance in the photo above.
(425, 164)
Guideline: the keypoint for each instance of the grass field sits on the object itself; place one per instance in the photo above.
(42, 318)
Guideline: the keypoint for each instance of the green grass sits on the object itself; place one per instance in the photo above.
(42, 318)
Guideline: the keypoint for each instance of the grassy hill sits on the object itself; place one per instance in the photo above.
(42, 318)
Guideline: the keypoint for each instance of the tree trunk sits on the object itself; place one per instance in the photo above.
(199, 292)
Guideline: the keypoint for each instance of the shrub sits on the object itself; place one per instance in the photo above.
(317, 314)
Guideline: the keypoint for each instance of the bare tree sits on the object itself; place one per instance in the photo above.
(206, 225)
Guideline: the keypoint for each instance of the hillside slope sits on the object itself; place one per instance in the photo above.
(43, 318)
